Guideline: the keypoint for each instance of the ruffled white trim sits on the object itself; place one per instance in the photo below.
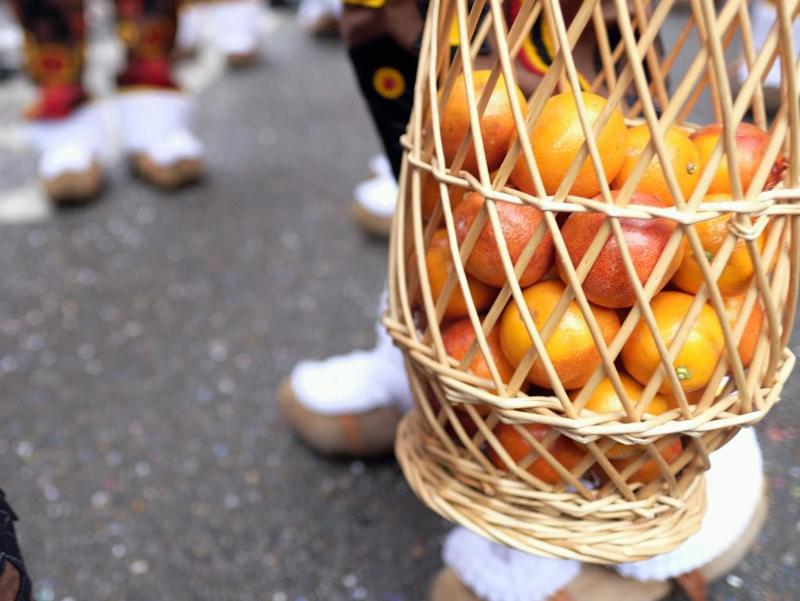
(156, 122)
(497, 573)
(378, 195)
(311, 11)
(734, 487)
(235, 25)
(357, 381)
(68, 145)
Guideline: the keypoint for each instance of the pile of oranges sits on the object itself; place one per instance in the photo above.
(555, 139)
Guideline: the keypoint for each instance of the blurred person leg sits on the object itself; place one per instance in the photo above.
(64, 127)
(190, 29)
(763, 17)
(351, 404)
(154, 113)
(235, 29)
(382, 40)
(231, 26)
(320, 17)
(15, 585)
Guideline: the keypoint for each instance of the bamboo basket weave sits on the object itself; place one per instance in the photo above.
(594, 510)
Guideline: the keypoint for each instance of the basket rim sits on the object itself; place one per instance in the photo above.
(607, 530)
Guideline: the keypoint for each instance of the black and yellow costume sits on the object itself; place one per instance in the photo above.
(54, 48)
(383, 40)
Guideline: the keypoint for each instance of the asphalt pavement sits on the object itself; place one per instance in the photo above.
(142, 339)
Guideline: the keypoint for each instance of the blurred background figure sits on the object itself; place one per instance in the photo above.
(10, 44)
(230, 26)
(66, 128)
(320, 17)
(763, 17)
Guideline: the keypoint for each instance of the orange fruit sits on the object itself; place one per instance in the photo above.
(464, 418)
(431, 196)
(738, 272)
(563, 450)
(691, 397)
(496, 125)
(683, 157)
(752, 329)
(604, 399)
(571, 348)
(751, 144)
(518, 223)
(439, 263)
(458, 339)
(670, 448)
(557, 137)
(607, 283)
(697, 358)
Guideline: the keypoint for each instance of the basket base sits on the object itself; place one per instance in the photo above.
(561, 525)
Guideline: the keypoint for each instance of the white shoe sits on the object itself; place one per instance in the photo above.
(190, 30)
(69, 154)
(156, 136)
(234, 27)
(375, 201)
(348, 404)
(320, 17)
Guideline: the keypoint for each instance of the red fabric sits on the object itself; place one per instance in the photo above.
(147, 72)
(56, 101)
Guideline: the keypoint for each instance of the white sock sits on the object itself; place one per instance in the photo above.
(355, 382)
(235, 26)
(190, 27)
(734, 488)
(311, 11)
(156, 122)
(378, 195)
(496, 573)
(70, 144)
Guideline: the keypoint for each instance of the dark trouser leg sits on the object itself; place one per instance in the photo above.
(147, 28)
(381, 43)
(14, 582)
(54, 35)
(386, 74)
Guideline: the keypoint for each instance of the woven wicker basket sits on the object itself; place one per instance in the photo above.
(567, 493)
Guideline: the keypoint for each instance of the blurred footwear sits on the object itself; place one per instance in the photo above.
(190, 30)
(362, 434)
(234, 27)
(376, 199)
(320, 17)
(348, 404)
(156, 136)
(69, 166)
